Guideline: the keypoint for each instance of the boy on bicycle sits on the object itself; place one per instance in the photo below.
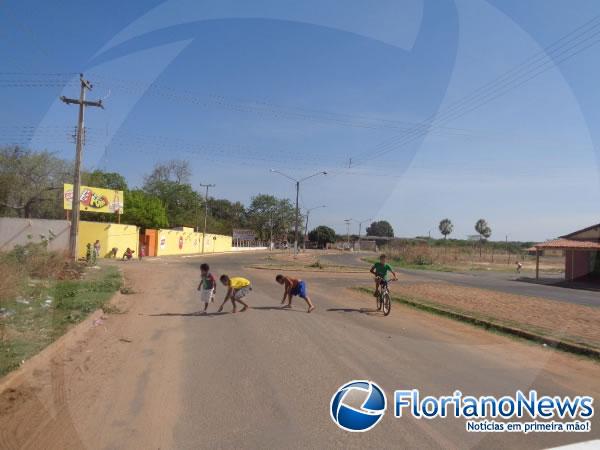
(380, 270)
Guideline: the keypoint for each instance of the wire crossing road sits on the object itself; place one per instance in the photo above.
(160, 376)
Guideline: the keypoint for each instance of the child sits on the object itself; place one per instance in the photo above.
(127, 255)
(207, 286)
(294, 287)
(380, 270)
(237, 288)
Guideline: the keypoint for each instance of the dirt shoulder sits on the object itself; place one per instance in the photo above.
(561, 321)
(70, 394)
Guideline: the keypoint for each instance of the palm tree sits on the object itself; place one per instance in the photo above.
(446, 227)
(484, 231)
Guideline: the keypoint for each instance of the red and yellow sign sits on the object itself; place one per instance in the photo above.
(95, 199)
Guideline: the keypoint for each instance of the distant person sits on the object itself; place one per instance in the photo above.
(113, 252)
(207, 286)
(127, 255)
(380, 270)
(519, 266)
(292, 287)
(97, 248)
(237, 288)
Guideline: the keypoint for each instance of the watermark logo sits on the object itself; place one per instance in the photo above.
(358, 406)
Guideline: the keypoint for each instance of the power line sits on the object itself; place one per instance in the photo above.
(493, 89)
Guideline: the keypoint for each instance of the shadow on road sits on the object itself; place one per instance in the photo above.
(193, 314)
(274, 308)
(351, 310)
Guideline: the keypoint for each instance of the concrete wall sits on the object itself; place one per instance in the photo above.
(186, 241)
(22, 231)
(15, 231)
(110, 235)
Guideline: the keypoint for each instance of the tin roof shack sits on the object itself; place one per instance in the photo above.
(582, 254)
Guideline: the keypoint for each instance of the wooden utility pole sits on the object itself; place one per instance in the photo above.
(205, 211)
(348, 231)
(297, 183)
(82, 102)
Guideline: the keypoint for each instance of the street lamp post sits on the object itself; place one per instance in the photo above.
(297, 182)
(348, 231)
(306, 226)
(205, 211)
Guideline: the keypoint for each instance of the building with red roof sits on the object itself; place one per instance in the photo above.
(582, 253)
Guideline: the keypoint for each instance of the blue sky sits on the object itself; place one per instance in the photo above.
(240, 87)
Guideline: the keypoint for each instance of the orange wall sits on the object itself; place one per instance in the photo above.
(151, 237)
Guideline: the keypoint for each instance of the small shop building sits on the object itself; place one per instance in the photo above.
(582, 254)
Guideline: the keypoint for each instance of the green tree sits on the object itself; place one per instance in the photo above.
(380, 228)
(446, 227)
(322, 235)
(144, 210)
(31, 183)
(484, 231)
(267, 211)
(224, 216)
(107, 180)
(169, 183)
(181, 202)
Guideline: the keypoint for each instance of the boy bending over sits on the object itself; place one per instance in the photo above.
(293, 287)
(237, 288)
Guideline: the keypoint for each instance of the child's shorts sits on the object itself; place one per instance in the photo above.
(300, 289)
(206, 295)
(241, 293)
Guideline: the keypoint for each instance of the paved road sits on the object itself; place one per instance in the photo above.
(264, 378)
(496, 281)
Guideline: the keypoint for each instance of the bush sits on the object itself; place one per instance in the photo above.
(12, 279)
(35, 260)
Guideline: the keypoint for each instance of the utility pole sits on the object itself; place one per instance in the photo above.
(297, 183)
(297, 219)
(306, 226)
(205, 211)
(82, 102)
(348, 231)
(271, 227)
(360, 230)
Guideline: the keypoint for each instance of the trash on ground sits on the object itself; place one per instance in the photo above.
(6, 313)
(22, 301)
(125, 340)
(98, 322)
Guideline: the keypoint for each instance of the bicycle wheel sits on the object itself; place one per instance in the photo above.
(387, 304)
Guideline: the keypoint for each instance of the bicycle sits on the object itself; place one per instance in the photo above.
(384, 300)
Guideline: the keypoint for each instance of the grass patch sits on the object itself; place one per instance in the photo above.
(316, 265)
(418, 265)
(44, 311)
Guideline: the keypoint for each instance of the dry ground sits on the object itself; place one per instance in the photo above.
(563, 321)
(160, 376)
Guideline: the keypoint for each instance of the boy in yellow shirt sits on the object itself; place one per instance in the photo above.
(237, 288)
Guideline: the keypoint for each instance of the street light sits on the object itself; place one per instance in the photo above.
(348, 231)
(297, 181)
(205, 211)
(306, 227)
